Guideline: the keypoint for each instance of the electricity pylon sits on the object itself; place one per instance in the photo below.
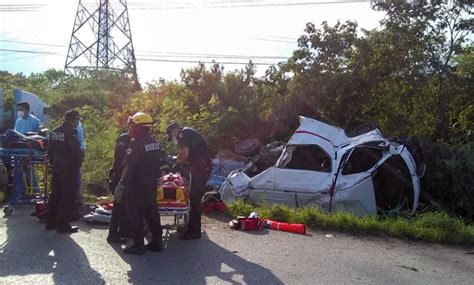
(102, 39)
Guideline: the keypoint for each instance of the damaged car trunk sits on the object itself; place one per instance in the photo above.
(322, 165)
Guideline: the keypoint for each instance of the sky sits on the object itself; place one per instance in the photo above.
(35, 34)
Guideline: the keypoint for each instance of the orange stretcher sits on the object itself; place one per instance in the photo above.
(173, 199)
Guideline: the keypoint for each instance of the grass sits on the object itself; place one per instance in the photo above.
(427, 226)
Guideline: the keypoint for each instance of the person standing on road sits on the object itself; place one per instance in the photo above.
(65, 156)
(117, 221)
(138, 184)
(194, 152)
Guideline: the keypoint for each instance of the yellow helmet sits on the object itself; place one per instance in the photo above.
(141, 119)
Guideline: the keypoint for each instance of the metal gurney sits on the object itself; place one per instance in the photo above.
(29, 168)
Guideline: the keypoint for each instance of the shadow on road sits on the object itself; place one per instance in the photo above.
(194, 262)
(30, 249)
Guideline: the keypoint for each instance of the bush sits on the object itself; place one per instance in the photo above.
(449, 177)
(100, 136)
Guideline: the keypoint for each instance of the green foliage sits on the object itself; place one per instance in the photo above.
(449, 178)
(430, 226)
(100, 138)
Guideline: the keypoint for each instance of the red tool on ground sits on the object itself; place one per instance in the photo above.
(285, 227)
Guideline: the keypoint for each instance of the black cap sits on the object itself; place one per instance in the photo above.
(171, 126)
(72, 115)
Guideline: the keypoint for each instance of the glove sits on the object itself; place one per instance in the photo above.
(119, 192)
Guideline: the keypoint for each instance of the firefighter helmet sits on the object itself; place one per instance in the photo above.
(140, 119)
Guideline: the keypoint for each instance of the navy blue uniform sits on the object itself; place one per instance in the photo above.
(140, 176)
(117, 220)
(200, 165)
(115, 172)
(65, 156)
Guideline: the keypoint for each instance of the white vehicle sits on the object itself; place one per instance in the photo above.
(322, 165)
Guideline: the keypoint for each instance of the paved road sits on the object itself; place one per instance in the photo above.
(31, 255)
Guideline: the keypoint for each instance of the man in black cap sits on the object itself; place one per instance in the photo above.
(194, 152)
(65, 156)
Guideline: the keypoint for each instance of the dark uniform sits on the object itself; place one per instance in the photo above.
(117, 219)
(65, 156)
(140, 176)
(200, 165)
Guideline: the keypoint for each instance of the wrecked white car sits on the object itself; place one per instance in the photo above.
(322, 165)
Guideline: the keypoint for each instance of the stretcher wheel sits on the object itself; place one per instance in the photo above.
(8, 210)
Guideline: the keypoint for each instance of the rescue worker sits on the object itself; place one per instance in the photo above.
(65, 156)
(138, 184)
(194, 152)
(117, 219)
(26, 122)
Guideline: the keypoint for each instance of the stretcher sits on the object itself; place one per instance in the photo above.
(29, 168)
(173, 200)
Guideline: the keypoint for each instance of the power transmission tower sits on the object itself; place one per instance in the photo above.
(102, 39)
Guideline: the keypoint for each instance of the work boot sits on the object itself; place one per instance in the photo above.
(115, 238)
(156, 246)
(191, 235)
(134, 249)
(67, 229)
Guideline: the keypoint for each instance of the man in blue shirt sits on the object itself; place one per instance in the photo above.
(26, 122)
(80, 134)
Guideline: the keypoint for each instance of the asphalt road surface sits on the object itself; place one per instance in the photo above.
(31, 255)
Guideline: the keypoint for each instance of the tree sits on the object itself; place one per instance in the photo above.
(436, 32)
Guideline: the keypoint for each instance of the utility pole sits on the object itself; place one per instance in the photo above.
(101, 39)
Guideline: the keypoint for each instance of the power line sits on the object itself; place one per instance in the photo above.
(216, 4)
(20, 7)
(164, 54)
(32, 51)
(31, 43)
(204, 55)
(19, 58)
(240, 4)
(207, 61)
(18, 10)
(140, 58)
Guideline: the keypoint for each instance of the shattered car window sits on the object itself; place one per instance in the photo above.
(362, 159)
(393, 185)
(306, 157)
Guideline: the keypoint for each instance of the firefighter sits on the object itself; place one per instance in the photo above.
(65, 156)
(194, 153)
(138, 184)
(117, 221)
